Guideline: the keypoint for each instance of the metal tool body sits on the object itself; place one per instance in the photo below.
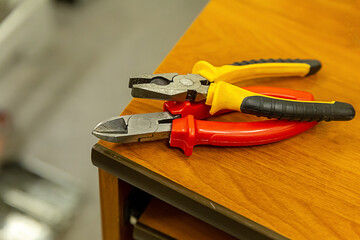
(136, 128)
(170, 86)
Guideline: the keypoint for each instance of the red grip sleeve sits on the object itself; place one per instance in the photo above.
(188, 132)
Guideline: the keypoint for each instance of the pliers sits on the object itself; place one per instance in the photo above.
(211, 84)
(178, 121)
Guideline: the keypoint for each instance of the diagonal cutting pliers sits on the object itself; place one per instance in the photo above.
(180, 123)
(211, 84)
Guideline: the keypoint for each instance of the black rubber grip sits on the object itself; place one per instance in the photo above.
(297, 111)
(315, 65)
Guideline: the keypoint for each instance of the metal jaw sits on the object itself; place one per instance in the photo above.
(170, 87)
(136, 128)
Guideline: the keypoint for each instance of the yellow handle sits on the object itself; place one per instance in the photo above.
(223, 95)
(232, 74)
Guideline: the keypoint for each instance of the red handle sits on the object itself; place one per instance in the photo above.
(188, 132)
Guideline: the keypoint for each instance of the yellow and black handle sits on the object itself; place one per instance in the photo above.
(296, 110)
(222, 95)
(257, 69)
(308, 66)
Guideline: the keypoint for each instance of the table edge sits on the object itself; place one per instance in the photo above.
(179, 196)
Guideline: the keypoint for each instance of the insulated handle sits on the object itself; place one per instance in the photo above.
(297, 111)
(314, 64)
(201, 111)
(257, 69)
(223, 95)
(188, 132)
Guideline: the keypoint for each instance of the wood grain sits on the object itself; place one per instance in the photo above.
(113, 194)
(306, 187)
(177, 224)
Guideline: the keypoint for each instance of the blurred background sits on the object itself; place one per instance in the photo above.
(64, 67)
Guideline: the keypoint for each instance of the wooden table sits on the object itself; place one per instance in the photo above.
(304, 187)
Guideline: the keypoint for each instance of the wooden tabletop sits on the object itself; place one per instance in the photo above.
(304, 187)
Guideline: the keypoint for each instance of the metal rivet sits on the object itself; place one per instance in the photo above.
(186, 82)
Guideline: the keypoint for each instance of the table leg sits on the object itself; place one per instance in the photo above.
(113, 195)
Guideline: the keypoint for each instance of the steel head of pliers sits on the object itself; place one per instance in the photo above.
(135, 128)
(170, 86)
